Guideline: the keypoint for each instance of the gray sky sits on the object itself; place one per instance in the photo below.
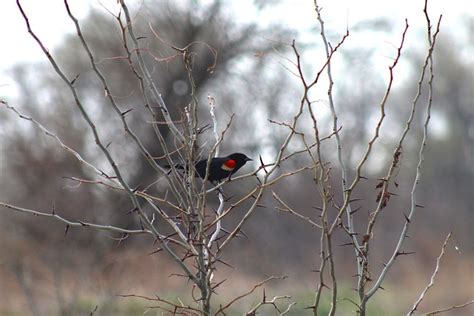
(50, 22)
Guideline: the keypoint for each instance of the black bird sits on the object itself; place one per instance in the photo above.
(220, 167)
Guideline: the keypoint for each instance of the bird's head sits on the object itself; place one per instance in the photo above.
(239, 158)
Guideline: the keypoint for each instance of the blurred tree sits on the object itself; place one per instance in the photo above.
(37, 166)
(449, 178)
(245, 81)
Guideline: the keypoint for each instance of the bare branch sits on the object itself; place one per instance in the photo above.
(342, 166)
(147, 75)
(439, 311)
(377, 128)
(97, 138)
(177, 308)
(272, 302)
(417, 176)
(61, 143)
(256, 286)
(290, 210)
(433, 276)
(76, 223)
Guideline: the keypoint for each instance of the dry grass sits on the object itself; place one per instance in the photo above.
(77, 281)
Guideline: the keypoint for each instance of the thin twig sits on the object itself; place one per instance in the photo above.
(290, 210)
(433, 276)
(413, 206)
(61, 143)
(147, 75)
(75, 223)
(439, 311)
(245, 294)
(99, 141)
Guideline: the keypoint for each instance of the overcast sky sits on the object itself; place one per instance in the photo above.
(50, 21)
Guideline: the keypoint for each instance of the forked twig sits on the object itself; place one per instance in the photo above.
(245, 294)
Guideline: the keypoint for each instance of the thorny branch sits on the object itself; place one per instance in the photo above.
(272, 302)
(361, 248)
(193, 234)
(60, 142)
(222, 308)
(118, 173)
(433, 276)
(73, 223)
(174, 309)
(414, 204)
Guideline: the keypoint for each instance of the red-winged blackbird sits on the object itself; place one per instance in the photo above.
(220, 167)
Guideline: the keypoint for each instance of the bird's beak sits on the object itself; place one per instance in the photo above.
(248, 159)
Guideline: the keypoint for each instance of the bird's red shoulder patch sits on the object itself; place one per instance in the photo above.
(229, 165)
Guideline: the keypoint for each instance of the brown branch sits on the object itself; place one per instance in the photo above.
(413, 203)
